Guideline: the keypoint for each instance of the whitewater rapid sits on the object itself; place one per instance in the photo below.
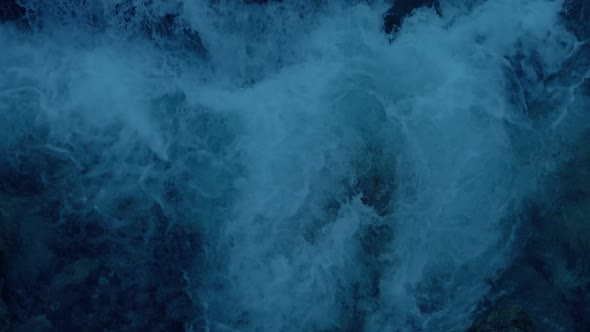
(339, 178)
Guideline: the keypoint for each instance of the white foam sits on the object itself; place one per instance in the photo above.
(271, 139)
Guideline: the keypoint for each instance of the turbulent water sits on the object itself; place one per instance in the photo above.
(289, 166)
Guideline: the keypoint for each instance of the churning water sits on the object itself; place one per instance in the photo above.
(294, 166)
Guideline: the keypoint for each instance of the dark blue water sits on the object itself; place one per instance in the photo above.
(293, 165)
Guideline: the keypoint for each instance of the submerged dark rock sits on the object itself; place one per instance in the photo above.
(550, 275)
(576, 14)
(394, 17)
(127, 285)
(10, 10)
(171, 32)
(505, 318)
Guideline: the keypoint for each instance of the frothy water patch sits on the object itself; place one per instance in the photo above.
(297, 168)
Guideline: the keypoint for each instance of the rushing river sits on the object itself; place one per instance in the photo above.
(289, 166)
